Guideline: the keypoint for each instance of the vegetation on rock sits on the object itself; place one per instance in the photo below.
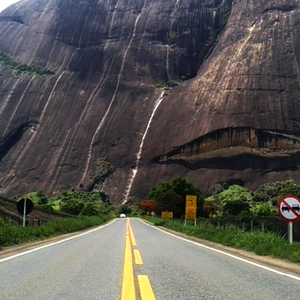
(18, 69)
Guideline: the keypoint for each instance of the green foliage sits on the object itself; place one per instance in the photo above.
(273, 192)
(235, 200)
(18, 69)
(172, 194)
(72, 206)
(90, 209)
(167, 86)
(263, 209)
(261, 243)
(42, 197)
(10, 235)
(171, 201)
(124, 209)
(94, 197)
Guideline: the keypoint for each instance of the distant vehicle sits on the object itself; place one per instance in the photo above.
(122, 216)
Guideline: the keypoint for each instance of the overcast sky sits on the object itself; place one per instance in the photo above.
(5, 3)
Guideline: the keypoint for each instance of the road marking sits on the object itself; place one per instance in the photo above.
(225, 253)
(55, 243)
(128, 289)
(133, 241)
(145, 288)
(138, 257)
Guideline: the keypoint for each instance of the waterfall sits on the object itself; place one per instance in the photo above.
(113, 97)
(134, 171)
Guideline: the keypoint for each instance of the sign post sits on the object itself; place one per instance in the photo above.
(24, 207)
(24, 213)
(289, 211)
(190, 208)
(290, 232)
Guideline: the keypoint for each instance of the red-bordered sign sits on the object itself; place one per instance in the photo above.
(289, 209)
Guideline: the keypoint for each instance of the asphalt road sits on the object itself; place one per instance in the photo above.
(92, 266)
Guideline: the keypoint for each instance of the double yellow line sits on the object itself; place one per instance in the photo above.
(128, 286)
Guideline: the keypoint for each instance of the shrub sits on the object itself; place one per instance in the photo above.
(72, 206)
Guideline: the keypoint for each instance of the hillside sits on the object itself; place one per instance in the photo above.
(119, 95)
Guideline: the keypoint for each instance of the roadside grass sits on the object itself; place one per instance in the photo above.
(261, 243)
(11, 235)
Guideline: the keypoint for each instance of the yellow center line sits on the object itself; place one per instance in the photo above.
(145, 288)
(128, 288)
(137, 257)
(133, 241)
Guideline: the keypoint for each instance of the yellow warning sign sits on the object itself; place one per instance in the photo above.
(191, 201)
(167, 215)
(191, 207)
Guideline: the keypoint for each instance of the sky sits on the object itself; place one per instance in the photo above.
(5, 3)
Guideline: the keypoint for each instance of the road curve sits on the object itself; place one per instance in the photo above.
(135, 261)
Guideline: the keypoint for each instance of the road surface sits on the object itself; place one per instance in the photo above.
(131, 260)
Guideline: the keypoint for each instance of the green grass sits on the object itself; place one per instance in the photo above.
(11, 235)
(261, 243)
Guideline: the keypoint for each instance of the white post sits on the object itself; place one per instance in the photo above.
(184, 221)
(290, 231)
(195, 223)
(24, 213)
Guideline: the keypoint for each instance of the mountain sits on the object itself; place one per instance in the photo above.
(122, 94)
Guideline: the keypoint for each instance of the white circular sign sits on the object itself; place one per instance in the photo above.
(289, 209)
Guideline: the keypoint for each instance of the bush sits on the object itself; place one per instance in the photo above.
(90, 209)
(235, 200)
(72, 206)
(171, 195)
(10, 235)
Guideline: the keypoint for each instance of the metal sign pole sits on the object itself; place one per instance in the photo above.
(290, 231)
(24, 213)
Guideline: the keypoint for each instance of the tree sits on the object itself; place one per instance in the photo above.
(125, 209)
(235, 200)
(42, 197)
(172, 194)
(150, 205)
(72, 206)
(263, 209)
(90, 209)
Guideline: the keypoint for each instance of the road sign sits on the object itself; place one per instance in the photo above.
(22, 207)
(191, 201)
(167, 215)
(191, 207)
(25, 207)
(190, 214)
(289, 209)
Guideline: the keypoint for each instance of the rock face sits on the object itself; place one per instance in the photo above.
(131, 92)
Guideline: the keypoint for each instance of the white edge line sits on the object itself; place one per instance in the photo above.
(225, 253)
(52, 244)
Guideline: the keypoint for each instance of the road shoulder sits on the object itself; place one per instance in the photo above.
(271, 262)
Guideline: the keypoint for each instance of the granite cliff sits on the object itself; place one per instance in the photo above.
(122, 94)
